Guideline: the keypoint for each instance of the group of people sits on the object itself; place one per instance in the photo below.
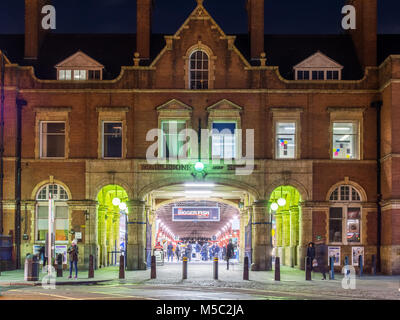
(73, 253)
(195, 250)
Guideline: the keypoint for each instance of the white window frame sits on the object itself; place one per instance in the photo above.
(276, 122)
(358, 137)
(199, 70)
(236, 147)
(41, 139)
(162, 152)
(103, 140)
(345, 205)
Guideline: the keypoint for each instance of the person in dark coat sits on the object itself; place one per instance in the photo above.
(170, 252)
(73, 259)
(229, 253)
(42, 255)
(189, 250)
(178, 251)
(321, 252)
(311, 254)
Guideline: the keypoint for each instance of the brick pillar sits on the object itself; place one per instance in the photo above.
(261, 242)
(255, 11)
(136, 235)
(143, 34)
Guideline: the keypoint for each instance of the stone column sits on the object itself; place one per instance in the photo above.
(261, 242)
(136, 235)
(91, 236)
(285, 260)
(102, 234)
(294, 234)
(305, 230)
(244, 220)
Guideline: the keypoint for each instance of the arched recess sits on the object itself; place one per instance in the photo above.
(354, 184)
(46, 182)
(180, 180)
(94, 192)
(305, 196)
(167, 202)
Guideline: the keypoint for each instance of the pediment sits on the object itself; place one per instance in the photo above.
(318, 60)
(224, 105)
(80, 60)
(174, 105)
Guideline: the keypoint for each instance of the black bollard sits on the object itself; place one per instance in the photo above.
(215, 268)
(360, 264)
(59, 266)
(277, 269)
(184, 268)
(332, 267)
(308, 268)
(91, 267)
(122, 267)
(246, 268)
(153, 274)
(373, 269)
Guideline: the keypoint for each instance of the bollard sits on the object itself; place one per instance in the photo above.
(215, 268)
(122, 267)
(332, 265)
(91, 267)
(373, 270)
(184, 268)
(308, 268)
(277, 269)
(360, 264)
(153, 273)
(59, 266)
(246, 268)
(346, 263)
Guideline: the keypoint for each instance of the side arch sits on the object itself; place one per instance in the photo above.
(305, 196)
(354, 184)
(109, 181)
(46, 182)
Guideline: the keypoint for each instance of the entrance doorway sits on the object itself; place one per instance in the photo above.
(284, 207)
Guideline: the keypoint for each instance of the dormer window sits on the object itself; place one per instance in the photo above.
(79, 67)
(318, 67)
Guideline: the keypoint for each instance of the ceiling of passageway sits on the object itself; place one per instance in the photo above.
(196, 229)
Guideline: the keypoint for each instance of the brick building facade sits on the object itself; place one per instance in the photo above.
(248, 79)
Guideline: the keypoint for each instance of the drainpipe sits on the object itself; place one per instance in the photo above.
(20, 104)
(2, 98)
(378, 105)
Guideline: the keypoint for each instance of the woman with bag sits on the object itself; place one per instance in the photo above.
(322, 258)
(73, 259)
(311, 254)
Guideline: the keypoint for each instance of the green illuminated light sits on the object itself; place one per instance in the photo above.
(199, 166)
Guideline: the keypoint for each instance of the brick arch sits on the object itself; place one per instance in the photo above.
(169, 201)
(305, 196)
(108, 181)
(347, 182)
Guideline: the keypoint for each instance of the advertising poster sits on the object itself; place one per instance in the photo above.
(357, 251)
(63, 250)
(36, 248)
(335, 252)
(195, 214)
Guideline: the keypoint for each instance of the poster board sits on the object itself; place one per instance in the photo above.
(63, 250)
(335, 252)
(356, 252)
(196, 214)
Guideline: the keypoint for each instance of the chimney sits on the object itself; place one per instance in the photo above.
(143, 33)
(255, 11)
(34, 33)
(365, 34)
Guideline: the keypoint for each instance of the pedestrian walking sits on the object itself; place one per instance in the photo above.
(170, 252)
(42, 255)
(321, 252)
(177, 251)
(229, 253)
(73, 252)
(311, 254)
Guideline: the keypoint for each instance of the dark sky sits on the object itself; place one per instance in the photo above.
(119, 16)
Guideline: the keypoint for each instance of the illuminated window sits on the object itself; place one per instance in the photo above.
(52, 139)
(345, 214)
(112, 139)
(61, 221)
(173, 138)
(345, 140)
(199, 70)
(285, 140)
(224, 140)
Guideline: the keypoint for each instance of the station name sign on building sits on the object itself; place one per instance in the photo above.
(195, 214)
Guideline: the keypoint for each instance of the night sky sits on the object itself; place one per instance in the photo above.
(119, 16)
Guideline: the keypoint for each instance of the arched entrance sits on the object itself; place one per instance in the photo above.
(112, 213)
(285, 210)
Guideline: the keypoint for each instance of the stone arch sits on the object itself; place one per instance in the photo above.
(354, 184)
(305, 196)
(180, 180)
(167, 202)
(46, 182)
(107, 181)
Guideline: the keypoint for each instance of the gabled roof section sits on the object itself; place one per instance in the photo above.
(6, 61)
(318, 60)
(224, 105)
(79, 59)
(200, 13)
(174, 105)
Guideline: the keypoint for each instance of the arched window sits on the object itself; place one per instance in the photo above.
(199, 70)
(61, 219)
(345, 214)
